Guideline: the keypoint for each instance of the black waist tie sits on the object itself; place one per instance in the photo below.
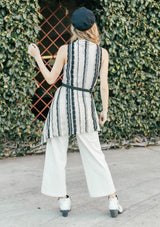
(78, 88)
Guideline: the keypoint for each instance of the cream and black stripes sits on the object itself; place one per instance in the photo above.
(78, 65)
(97, 63)
(72, 91)
(57, 112)
(83, 85)
(68, 104)
(74, 111)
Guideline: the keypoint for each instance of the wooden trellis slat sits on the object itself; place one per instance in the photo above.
(48, 55)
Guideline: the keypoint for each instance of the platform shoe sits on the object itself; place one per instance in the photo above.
(64, 205)
(114, 206)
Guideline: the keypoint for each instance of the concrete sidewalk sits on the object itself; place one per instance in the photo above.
(136, 175)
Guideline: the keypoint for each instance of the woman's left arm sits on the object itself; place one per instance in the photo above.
(50, 76)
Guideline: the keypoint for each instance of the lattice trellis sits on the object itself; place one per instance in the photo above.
(54, 33)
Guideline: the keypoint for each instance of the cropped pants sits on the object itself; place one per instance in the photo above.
(97, 173)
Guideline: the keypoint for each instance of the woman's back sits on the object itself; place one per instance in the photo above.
(73, 111)
(83, 64)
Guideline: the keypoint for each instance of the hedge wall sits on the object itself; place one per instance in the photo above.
(129, 31)
(19, 22)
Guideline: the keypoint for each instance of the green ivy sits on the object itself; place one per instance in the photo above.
(129, 31)
(19, 23)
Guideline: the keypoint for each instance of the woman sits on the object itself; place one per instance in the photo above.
(73, 111)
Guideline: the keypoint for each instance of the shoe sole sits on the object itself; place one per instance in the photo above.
(120, 212)
(64, 212)
(114, 213)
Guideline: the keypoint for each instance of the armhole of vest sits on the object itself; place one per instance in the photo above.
(68, 49)
(100, 58)
(67, 52)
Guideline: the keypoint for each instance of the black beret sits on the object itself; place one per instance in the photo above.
(83, 18)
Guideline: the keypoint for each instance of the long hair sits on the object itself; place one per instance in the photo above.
(91, 34)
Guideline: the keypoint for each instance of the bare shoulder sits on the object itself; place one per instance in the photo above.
(62, 51)
(63, 48)
(105, 54)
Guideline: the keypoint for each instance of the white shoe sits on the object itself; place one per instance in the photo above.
(114, 206)
(65, 205)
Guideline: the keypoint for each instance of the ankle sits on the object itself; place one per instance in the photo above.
(112, 195)
(62, 197)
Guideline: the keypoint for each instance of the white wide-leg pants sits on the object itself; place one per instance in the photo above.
(98, 176)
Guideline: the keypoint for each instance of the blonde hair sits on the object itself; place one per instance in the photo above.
(91, 34)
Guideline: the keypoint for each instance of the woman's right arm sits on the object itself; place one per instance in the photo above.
(104, 89)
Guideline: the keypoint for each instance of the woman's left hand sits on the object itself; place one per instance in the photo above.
(33, 50)
(103, 117)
